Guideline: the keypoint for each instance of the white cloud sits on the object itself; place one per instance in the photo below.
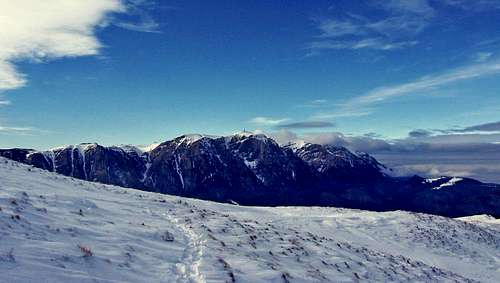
(9, 77)
(268, 121)
(43, 30)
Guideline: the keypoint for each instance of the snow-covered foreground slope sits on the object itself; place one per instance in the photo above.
(59, 229)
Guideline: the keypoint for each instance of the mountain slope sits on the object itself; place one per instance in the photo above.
(60, 229)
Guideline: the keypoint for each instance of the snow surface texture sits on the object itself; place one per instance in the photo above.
(59, 229)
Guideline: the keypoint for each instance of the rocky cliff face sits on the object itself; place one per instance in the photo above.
(121, 166)
(255, 170)
(202, 167)
(338, 164)
(286, 177)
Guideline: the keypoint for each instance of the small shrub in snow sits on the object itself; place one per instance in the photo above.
(228, 269)
(85, 250)
(167, 237)
(8, 257)
(286, 277)
(41, 209)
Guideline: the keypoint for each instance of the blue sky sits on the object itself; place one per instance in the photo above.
(140, 71)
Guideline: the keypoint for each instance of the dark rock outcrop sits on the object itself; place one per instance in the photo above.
(17, 154)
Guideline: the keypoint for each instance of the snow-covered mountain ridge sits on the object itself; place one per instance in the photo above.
(60, 229)
(255, 170)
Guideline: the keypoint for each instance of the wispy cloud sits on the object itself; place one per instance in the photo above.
(365, 104)
(145, 25)
(306, 125)
(474, 5)
(417, 7)
(316, 103)
(324, 111)
(425, 83)
(486, 127)
(337, 28)
(343, 111)
(367, 43)
(480, 133)
(267, 121)
(16, 130)
(402, 21)
(483, 56)
(139, 17)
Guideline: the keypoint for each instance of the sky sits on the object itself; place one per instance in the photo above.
(415, 82)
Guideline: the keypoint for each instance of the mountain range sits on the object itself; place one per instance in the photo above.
(252, 169)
